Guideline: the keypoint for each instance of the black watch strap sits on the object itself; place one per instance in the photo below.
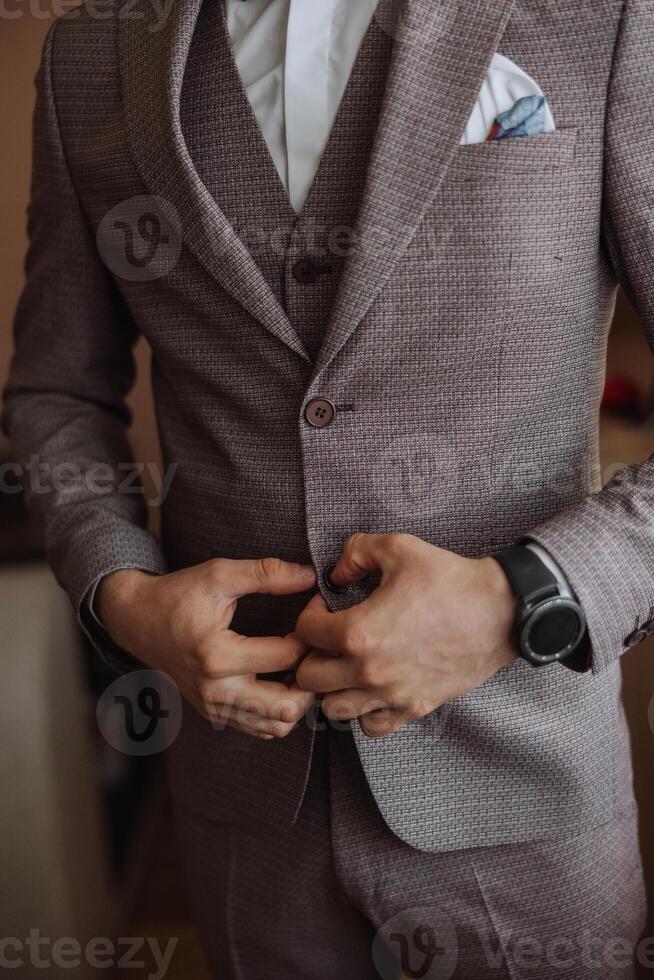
(529, 578)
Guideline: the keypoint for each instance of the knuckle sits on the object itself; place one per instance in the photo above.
(396, 544)
(352, 549)
(205, 654)
(203, 650)
(356, 640)
(220, 577)
(377, 708)
(353, 540)
(369, 673)
(338, 708)
(401, 690)
(216, 568)
(377, 726)
(290, 712)
(267, 568)
(281, 729)
(413, 712)
(387, 678)
(206, 692)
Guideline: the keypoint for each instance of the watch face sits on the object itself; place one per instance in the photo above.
(553, 630)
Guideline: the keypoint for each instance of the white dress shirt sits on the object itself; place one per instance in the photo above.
(295, 58)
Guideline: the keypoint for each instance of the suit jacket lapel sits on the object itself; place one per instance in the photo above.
(442, 51)
(153, 60)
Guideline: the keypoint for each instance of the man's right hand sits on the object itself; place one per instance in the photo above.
(179, 624)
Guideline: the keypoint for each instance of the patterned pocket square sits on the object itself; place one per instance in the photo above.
(525, 118)
(510, 104)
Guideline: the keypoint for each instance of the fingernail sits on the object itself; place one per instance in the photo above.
(306, 571)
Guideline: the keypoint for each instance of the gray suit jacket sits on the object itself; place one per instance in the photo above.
(467, 338)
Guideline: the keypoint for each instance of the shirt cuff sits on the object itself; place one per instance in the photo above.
(119, 659)
(89, 602)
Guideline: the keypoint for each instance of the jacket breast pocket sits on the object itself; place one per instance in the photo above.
(518, 155)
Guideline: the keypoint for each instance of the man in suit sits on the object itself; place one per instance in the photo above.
(378, 353)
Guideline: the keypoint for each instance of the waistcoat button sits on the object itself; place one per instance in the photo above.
(308, 272)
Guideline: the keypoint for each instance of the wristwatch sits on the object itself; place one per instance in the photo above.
(549, 626)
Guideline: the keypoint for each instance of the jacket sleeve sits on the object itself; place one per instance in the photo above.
(605, 544)
(64, 409)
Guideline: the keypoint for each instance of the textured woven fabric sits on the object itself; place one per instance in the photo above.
(340, 896)
(466, 338)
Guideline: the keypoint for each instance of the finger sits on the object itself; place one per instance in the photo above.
(250, 724)
(222, 716)
(236, 726)
(210, 713)
(362, 554)
(385, 721)
(261, 698)
(318, 627)
(349, 704)
(235, 654)
(265, 575)
(321, 672)
(316, 602)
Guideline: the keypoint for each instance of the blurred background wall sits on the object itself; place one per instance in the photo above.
(628, 434)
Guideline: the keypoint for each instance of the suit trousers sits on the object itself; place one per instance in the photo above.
(340, 896)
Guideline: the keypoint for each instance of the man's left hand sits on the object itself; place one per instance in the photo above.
(437, 626)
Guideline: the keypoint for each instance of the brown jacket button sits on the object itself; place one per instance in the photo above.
(319, 413)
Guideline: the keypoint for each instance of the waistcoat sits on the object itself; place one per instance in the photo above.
(300, 255)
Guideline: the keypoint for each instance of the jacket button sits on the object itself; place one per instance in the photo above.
(308, 272)
(635, 638)
(327, 579)
(320, 413)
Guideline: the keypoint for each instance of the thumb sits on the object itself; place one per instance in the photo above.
(382, 721)
(316, 602)
(271, 576)
(362, 554)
